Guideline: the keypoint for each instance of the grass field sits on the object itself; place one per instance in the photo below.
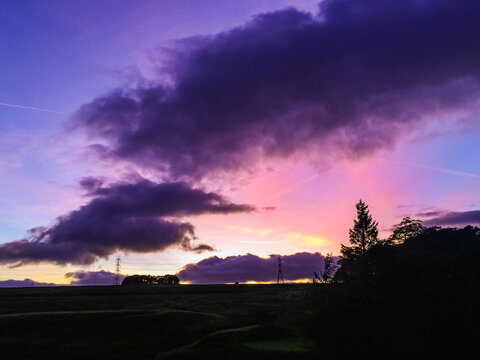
(155, 322)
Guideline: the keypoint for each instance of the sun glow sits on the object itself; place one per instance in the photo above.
(310, 240)
(302, 281)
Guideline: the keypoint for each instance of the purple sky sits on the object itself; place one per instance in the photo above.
(170, 132)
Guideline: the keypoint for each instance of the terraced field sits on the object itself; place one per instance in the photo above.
(166, 322)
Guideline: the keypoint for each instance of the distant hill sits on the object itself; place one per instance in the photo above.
(23, 283)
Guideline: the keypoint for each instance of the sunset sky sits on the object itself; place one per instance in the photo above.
(169, 132)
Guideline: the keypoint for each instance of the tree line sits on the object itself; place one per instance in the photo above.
(151, 280)
(412, 295)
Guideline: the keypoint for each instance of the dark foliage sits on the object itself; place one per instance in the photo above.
(363, 235)
(407, 228)
(151, 280)
(417, 299)
(330, 266)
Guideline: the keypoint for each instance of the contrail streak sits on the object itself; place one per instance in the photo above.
(31, 108)
(449, 171)
(440, 169)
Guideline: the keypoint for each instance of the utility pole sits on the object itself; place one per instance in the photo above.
(280, 272)
(117, 271)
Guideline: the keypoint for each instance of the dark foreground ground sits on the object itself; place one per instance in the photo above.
(156, 322)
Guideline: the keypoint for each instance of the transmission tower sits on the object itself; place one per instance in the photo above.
(280, 272)
(117, 271)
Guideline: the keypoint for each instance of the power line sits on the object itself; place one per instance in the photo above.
(280, 272)
(117, 271)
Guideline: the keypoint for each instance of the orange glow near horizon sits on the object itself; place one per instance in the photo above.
(303, 281)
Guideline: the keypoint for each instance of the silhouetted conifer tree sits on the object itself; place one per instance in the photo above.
(363, 235)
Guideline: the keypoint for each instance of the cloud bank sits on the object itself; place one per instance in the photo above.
(90, 278)
(242, 268)
(140, 217)
(346, 82)
(454, 218)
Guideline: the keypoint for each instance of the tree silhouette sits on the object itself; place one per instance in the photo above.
(151, 280)
(407, 228)
(363, 235)
(329, 268)
(418, 292)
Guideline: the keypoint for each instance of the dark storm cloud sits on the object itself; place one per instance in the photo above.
(432, 213)
(90, 183)
(122, 217)
(243, 268)
(455, 218)
(23, 283)
(87, 278)
(346, 82)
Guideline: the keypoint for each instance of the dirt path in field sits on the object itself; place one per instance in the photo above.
(185, 348)
(87, 312)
